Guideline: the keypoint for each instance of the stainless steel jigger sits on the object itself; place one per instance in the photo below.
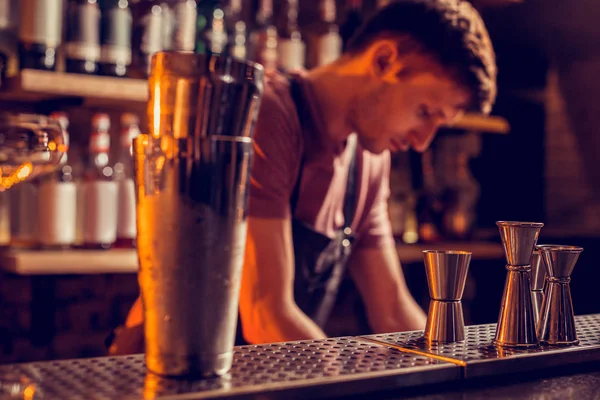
(536, 279)
(446, 277)
(557, 319)
(516, 322)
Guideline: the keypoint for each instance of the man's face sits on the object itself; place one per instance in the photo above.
(399, 111)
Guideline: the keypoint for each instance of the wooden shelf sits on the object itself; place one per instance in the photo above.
(413, 253)
(482, 123)
(31, 262)
(36, 85)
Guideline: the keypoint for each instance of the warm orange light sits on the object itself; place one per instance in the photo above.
(52, 146)
(24, 171)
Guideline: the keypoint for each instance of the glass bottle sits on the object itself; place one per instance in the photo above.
(99, 189)
(40, 33)
(126, 223)
(147, 35)
(82, 45)
(57, 200)
(9, 17)
(237, 30)
(290, 47)
(323, 38)
(115, 37)
(263, 38)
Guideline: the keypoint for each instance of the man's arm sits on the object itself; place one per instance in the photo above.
(378, 276)
(268, 310)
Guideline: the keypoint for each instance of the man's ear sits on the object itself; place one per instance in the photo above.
(385, 61)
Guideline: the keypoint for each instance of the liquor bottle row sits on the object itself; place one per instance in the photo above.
(81, 204)
(118, 37)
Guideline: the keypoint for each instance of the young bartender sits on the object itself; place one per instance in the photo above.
(320, 178)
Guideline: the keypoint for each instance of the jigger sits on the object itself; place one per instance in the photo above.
(557, 319)
(537, 277)
(446, 276)
(516, 322)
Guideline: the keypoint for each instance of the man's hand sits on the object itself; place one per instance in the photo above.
(378, 276)
(268, 310)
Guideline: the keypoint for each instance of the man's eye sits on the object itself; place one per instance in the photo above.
(423, 112)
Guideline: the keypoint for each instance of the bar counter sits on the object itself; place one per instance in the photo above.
(386, 366)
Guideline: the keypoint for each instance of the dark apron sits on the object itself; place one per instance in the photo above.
(320, 261)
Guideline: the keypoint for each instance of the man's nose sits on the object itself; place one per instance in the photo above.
(425, 136)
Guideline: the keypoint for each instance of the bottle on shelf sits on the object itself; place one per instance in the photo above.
(82, 44)
(40, 33)
(147, 34)
(290, 47)
(57, 200)
(263, 38)
(211, 30)
(181, 33)
(430, 204)
(353, 19)
(115, 37)
(9, 17)
(323, 37)
(23, 215)
(99, 189)
(237, 30)
(123, 170)
(4, 219)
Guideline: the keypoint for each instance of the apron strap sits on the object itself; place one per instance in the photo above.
(350, 196)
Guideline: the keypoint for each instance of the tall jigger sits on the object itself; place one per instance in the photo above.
(516, 322)
(536, 279)
(557, 319)
(446, 277)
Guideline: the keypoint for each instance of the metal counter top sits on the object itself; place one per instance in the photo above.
(332, 367)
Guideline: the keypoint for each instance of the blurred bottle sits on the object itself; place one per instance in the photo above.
(402, 199)
(236, 28)
(353, 18)
(323, 37)
(82, 44)
(204, 18)
(263, 38)
(290, 47)
(461, 190)
(4, 219)
(115, 37)
(9, 18)
(430, 205)
(23, 216)
(40, 33)
(147, 34)
(181, 22)
(126, 224)
(211, 30)
(57, 200)
(99, 189)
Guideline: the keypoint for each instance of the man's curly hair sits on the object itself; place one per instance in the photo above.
(451, 31)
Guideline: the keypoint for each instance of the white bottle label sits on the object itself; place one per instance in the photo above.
(126, 209)
(185, 31)
(57, 209)
(291, 54)
(328, 49)
(100, 212)
(41, 21)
